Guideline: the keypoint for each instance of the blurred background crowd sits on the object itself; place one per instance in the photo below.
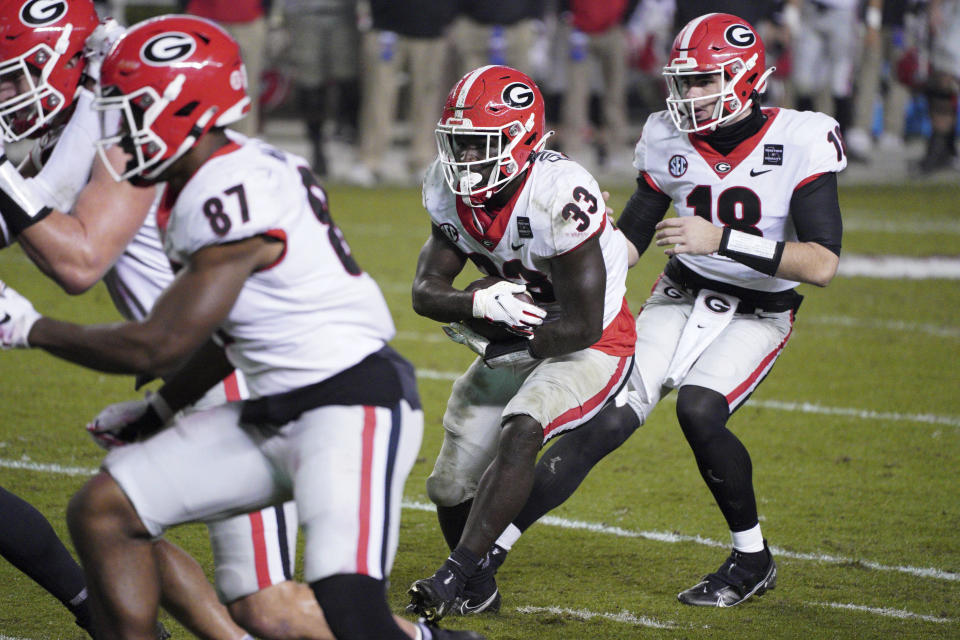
(358, 84)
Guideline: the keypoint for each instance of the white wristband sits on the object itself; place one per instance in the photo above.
(751, 245)
(874, 17)
(20, 203)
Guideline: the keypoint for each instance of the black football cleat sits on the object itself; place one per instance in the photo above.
(480, 593)
(732, 583)
(432, 598)
(482, 598)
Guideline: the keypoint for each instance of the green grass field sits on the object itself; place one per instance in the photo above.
(855, 440)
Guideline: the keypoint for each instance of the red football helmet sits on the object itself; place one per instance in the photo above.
(720, 44)
(41, 46)
(172, 78)
(499, 109)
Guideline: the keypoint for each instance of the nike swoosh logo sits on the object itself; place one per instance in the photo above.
(466, 609)
(516, 247)
(754, 173)
(6, 318)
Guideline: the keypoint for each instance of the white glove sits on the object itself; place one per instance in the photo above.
(498, 304)
(17, 316)
(98, 44)
(125, 422)
(494, 354)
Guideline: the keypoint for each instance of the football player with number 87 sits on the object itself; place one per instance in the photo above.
(239, 241)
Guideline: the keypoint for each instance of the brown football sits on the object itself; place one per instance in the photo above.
(493, 331)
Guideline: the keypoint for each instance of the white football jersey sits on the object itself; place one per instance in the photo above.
(749, 189)
(141, 272)
(557, 209)
(310, 315)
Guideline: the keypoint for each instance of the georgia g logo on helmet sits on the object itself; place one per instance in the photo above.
(517, 95)
(740, 35)
(166, 48)
(39, 13)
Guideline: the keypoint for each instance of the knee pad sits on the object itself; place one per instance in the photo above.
(702, 413)
(451, 482)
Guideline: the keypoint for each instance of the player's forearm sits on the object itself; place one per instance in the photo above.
(129, 347)
(808, 262)
(61, 247)
(439, 301)
(566, 336)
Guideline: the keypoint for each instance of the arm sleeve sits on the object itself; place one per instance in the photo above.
(645, 208)
(815, 211)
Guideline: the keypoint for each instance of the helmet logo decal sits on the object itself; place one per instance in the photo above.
(166, 48)
(740, 35)
(517, 95)
(677, 166)
(39, 13)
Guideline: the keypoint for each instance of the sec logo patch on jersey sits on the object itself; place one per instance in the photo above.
(677, 166)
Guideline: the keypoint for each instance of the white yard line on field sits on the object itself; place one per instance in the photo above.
(665, 536)
(884, 611)
(779, 405)
(584, 614)
(595, 527)
(899, 267)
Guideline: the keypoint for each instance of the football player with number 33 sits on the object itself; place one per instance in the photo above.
(535, 220)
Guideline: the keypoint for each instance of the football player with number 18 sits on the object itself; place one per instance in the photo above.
(755, 190)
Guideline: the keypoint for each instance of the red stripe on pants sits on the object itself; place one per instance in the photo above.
(366, 486)
(578, 412)
(259, 550)
(231, 387)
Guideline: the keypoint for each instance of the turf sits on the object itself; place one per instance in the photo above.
(855, 440)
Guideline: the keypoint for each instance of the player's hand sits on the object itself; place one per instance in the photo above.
(494, 354)
(688, 234)
(17, 316)
(498, 304)
(125, 422)
(98, 45)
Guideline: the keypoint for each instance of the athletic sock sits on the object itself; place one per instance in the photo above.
(749, 541)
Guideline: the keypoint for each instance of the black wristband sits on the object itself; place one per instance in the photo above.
(754, 251)
(19, 207)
